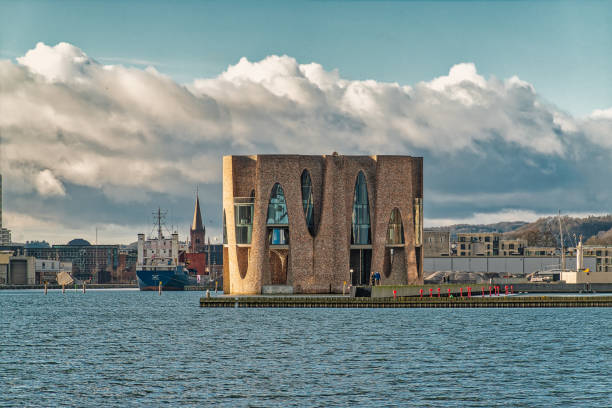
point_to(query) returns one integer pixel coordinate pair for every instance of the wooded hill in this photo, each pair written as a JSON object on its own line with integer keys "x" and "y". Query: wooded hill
{"x": 595, "y": 230}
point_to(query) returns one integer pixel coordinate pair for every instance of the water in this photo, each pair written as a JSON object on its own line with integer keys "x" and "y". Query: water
{"x": 129, "y": 348}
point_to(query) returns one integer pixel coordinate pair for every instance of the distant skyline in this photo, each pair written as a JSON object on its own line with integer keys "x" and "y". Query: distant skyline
{"x": 510, "y": 103}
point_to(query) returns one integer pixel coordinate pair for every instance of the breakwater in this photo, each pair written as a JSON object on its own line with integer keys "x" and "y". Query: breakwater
{"x": 405, "y": 302}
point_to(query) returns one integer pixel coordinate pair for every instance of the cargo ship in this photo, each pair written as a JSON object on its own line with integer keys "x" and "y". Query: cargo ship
{"x": 158, "y": 261}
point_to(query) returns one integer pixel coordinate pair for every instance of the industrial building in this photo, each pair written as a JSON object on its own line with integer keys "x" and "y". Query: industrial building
{"x": 5, "y": 234}
{"x": 311, "y": 224}
{"x": 436, "y": 243}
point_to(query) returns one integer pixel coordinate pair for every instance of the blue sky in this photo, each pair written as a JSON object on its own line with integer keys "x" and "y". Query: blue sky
{"x": 563, "y": 48}
{"x": 509, "y": 102}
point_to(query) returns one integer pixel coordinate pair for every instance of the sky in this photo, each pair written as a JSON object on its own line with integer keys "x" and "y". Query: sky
{"x": 109, "y": 109}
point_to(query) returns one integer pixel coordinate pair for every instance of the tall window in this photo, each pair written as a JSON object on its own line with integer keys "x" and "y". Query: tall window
{"x": 224, "y": 229}
{"x": 395, "y": 231}
{"x": 243, "y": 210}
{"x": 360, "y": 231}
{"x": 278, "y": 220}
{"x": 277, "y": 207}
{"x": 307, "y": 201}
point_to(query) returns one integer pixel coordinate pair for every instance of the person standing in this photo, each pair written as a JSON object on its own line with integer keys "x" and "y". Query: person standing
{"x": 377, "y": 278}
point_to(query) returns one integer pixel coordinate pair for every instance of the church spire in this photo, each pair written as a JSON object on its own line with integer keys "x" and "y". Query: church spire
{"x": 196, "y": 225}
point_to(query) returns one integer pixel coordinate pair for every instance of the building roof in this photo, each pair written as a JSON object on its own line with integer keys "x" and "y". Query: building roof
{"x": 196, "y": 225}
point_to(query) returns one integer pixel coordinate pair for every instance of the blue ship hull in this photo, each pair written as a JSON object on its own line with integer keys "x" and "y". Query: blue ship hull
{"x": 171, "y": 279}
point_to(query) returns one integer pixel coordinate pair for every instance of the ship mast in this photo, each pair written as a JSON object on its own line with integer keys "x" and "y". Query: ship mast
{"x": 159, "y": 226}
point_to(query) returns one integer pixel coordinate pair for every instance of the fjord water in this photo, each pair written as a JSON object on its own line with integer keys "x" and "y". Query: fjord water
{"x": 130, "y": 348}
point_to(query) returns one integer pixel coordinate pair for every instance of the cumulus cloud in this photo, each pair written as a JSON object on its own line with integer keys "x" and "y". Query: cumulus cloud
{"x": 48, "y": 185}
{"x": 69, "y": 122}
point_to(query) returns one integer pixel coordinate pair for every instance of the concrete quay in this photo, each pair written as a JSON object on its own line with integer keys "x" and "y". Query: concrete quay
{"x": 80, "y": 285}
{"x": 405, "y": 302}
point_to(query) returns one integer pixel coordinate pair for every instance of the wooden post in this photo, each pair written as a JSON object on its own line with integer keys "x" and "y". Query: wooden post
{"x": 63, "y": 288}
{"x": 160, "y": 290}
{"x": 216, "y": 283}
{"x": 45, "y": 287}
{"x": 83, "y": 286}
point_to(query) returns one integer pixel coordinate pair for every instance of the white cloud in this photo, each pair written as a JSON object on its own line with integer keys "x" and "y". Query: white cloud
{"x": 68, "y": 120}
{"x": 48, "y": 185}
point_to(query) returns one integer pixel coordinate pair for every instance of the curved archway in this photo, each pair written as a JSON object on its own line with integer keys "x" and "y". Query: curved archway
{"x": 360, "y": 226}
{"x": 395, "y": 229}
{"x": 307, "y": 201}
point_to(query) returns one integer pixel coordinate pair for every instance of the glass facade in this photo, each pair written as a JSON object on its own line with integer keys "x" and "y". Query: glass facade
{"x": 277, "y": 207}
{"x": 243, "y": 210}
{"x": 277, "y": 215}
{"x": 307, "y": 201}
{"x": 395, "y": 232}
{"x": 360, "y": 231}
{"x": 278, "y": 236}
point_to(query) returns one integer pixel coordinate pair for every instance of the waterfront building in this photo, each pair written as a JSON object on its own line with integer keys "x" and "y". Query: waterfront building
{"x": 436, "y": 243}
{"x": 46, "y": 270}
{"x": 603, "y": 255}
{"x": 95, "y": 263}
{"x": 126, "y": 270}
{"x": 540, "y": 251}
{"x": 310, "y": 224}
{"x": 478, "y": 244}
{"x": 509, "y": 247}
{"x": 17, "y": 270}
{"x": 5, "y": 234}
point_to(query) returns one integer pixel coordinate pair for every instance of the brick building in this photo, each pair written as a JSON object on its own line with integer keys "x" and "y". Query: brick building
{"x": 307, "y": 224}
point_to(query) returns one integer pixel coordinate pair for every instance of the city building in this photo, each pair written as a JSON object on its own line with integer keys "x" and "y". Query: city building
{"x": 314, "y": 224}
{"x": 603, "y": 255}
{"x": 509, "y": 247}
{"x": 478, "y": 244}
{"x": 5, "y": 234}
{"x": 436, "y": 243}
{"x": 126, "y": 270}
{"x": 94, "y": 263}
{"x": 541, "y": 251}
{"x": 17, "y": 270}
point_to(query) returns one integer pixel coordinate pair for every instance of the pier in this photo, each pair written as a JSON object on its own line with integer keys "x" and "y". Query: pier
{"x": 406, "y": 302}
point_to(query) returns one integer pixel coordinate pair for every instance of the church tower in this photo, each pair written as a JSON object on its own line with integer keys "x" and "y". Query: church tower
{"x": 197, "y": 231}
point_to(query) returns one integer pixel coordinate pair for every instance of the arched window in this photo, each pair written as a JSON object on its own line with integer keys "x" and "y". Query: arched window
{"x": 278, "y": 220}
{"x": 277, "y": 207}
{"x": 307, "y": 201}
{"x": 360, "y": 231}
{"x": 395, "y": 231}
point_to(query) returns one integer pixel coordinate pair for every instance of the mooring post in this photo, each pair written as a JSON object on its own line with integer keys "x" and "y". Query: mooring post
{"x": 469, "y": 292}
{"x": 506, "y": 290}
{"x": 343, "y": 288}
{"x": 63, "y": 288}
{"x": 511, "y": 290}
{"x": 490, "y": 293}
{"x": 216, "y": 283}
{"x": 83, "y": 286}
{"x": 45, "y": 287}
{"x": 159, "y": 288}
{"x": 449, "y": 292}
